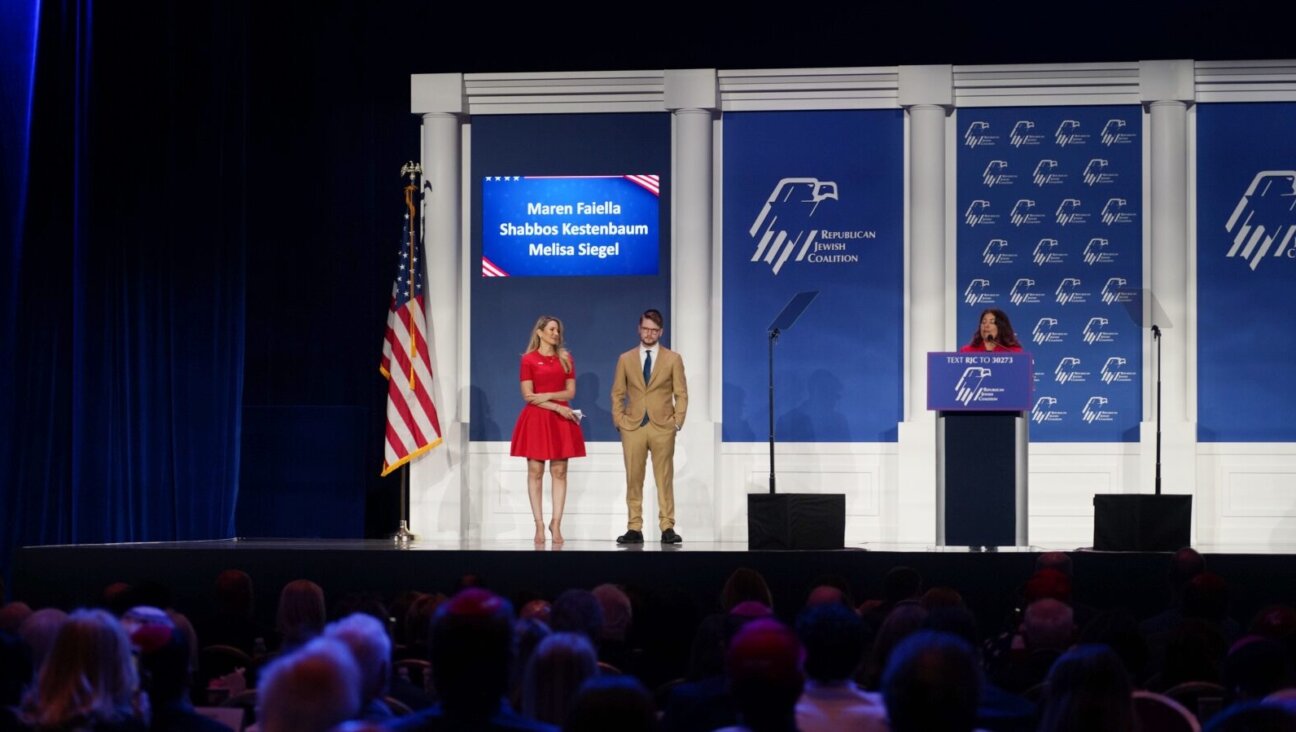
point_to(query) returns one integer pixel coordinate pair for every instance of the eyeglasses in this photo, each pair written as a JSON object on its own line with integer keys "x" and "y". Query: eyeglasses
{"x": 650, "y": 330}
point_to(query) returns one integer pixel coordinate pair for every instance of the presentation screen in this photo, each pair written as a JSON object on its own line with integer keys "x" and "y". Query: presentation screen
{"x": 561, "y": 226}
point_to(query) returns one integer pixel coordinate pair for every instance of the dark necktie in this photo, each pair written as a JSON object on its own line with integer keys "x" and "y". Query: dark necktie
{"x": 647, "y": 375}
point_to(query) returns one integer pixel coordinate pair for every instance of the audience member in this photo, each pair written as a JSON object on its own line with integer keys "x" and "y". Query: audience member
{"x": 931, "y": 684}
{"x": 1255, "y": 668}
{"x": 233, "y": 623}
{"x": 1119, "y": 630}
{"x": 472, "y": 650}
{"x": 1185, "y": 564}
{"x": 1088, "y": 691}
{"x": 370, "y": 647}
{"x": 833, "y": 637}
{"x": 1253, "y": 717}
{"x": 618, "y": 703}
{"x": 997, "y": 710}
{"x": 165, "y": 668}
{"x": 561, "y": 663}
{"x": 704, "y": 702}
{"x": 763, "y": 666}
{"x": 301, "y": 614}
{"x": 39, "y": 632}
{"x": 577, "y": 611}
{"x": 613, "y": 639}
{"x": 311, "y": 689}
{"x": 13, "y": 615}
{"x": 88, "y": 681}
{"x": 904, "y": 619}
{"x": 742, "y": 585}
{"x": 1047, "y": 630}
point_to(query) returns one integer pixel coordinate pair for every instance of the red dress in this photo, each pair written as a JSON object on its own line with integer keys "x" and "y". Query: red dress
{"x": 543, "y": 434}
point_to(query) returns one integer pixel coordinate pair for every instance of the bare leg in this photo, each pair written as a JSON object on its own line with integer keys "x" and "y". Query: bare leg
{"x": 535, "y": 492}
{"x": 558, "y": 471}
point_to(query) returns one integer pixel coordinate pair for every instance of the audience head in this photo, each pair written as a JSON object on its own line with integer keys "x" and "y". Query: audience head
{"x": 825, "y": 583}
{"x": 1048, "y": 625}
{"x": 617, "y": 613}
{"x": 1206, "y": 596}
{"x": 900, "y": 584}
{"x": 903, "y": 620}
{"x": 13, "y": 615}
{"x": 833, "y": 637}
{"x": 301, "y": 612}
{"x": 956, "y": 621}
{"x": 560, "y": 664}
{"x": 418, "y": 619}
{"x": 827, "y": 595}
{"x": 577, "y": 611}
{"x": 312, "y": 689}
{"x": 1184, "y": 565}
{"x": 39, "y": 632}
{"x": 1119, "y": 630}
{"x": 932, "y": 683}
{"x": 763, "y": 667}
{"x": 1256, "y": 667}
{"x": 1194, "y": 650}
{"x": 165, "y": 667}
{"x": 939, "y": 597}
{"x": 1047, "y": 584}
{"x": 1253, "y": 717}
{"x": 1061, "y": 561}
{"x": 743, "y": 585}
{"x": 88, "y": 675}
{"x": 612, "y": 702}
{"x": 370, "y": 647}
{"x": 234, "y": 593}
{"x": 1088, "y": 689}
{"x": 472, "y": 650}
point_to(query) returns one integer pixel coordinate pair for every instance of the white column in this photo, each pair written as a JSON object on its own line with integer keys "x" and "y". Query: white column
{"x": 1166, "y": 87}
{"x": 927, "y": 93}
{"x": 440, "y": 506}
{"x": 691, "y": 95}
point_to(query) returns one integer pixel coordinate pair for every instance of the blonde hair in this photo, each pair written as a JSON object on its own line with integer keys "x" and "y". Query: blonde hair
{"x": 564, "y": 356}
{"x": 88, "y": 675}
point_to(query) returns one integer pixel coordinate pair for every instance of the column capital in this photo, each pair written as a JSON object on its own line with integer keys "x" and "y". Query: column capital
{"x": 927, "y": 85}
{"x": 433, "y": 93}
{"x": 1167, "y": 81}
{"x": 692, "y": 89}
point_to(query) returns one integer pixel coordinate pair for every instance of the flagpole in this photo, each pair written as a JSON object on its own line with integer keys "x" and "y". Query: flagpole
{"x": 403, "y": 535}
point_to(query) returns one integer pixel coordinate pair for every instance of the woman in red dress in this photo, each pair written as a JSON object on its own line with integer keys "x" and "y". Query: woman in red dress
{"x": 547, "y": 429}
{"x": 995, "y": 333}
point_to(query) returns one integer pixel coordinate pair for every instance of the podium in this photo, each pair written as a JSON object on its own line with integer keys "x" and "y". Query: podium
{"x": 982, "y": 402}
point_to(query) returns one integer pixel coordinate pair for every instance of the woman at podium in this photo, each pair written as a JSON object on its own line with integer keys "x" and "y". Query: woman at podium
{"x": 995, "y": 333}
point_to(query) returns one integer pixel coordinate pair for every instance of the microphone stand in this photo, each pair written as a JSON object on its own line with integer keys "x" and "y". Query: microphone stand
{"x": 1156, "y": 335}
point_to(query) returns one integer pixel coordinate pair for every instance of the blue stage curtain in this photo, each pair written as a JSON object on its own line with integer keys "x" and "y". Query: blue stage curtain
{"x": 123, "y": 309}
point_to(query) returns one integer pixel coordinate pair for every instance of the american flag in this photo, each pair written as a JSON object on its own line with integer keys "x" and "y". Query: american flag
{"x": 412, "y": 424}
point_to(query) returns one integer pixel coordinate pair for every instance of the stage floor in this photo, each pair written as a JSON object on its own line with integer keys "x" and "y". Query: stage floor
{"x": 72, "y": 576}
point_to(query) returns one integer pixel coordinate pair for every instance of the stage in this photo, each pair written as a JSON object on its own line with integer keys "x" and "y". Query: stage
{"x": 73, "y": 576}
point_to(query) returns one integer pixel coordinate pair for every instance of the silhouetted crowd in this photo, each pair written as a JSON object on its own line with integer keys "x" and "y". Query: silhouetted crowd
{"x": 615, "y": 658}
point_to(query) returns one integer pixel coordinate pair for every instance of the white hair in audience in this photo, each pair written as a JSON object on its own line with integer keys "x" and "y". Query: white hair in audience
{"x": 370, "y": 647}
{"x": 310, "y": 690}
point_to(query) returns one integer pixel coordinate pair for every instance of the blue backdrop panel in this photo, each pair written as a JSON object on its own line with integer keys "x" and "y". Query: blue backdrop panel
{"x": 1246, "y": 266}
{"x": 1050, "y": 226}
{"x": 600, "y": 313}
{"x": 814, "y": 201}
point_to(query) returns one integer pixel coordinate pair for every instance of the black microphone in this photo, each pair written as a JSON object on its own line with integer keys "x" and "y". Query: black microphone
{"x": 991, "y": 338}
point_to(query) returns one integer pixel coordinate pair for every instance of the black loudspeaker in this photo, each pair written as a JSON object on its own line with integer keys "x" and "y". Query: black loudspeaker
{"x": 1142, "y": 523}
{"x": 796, "y": 521}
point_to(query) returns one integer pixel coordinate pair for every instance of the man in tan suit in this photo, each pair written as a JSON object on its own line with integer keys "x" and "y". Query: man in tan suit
{"x": 649, "y": 398}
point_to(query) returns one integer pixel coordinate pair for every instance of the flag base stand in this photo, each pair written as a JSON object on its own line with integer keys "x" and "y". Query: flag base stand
{"x": 403, "y": 535}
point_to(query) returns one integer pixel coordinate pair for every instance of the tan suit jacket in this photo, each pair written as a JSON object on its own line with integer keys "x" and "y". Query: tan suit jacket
{"x": 665, "y": 396}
